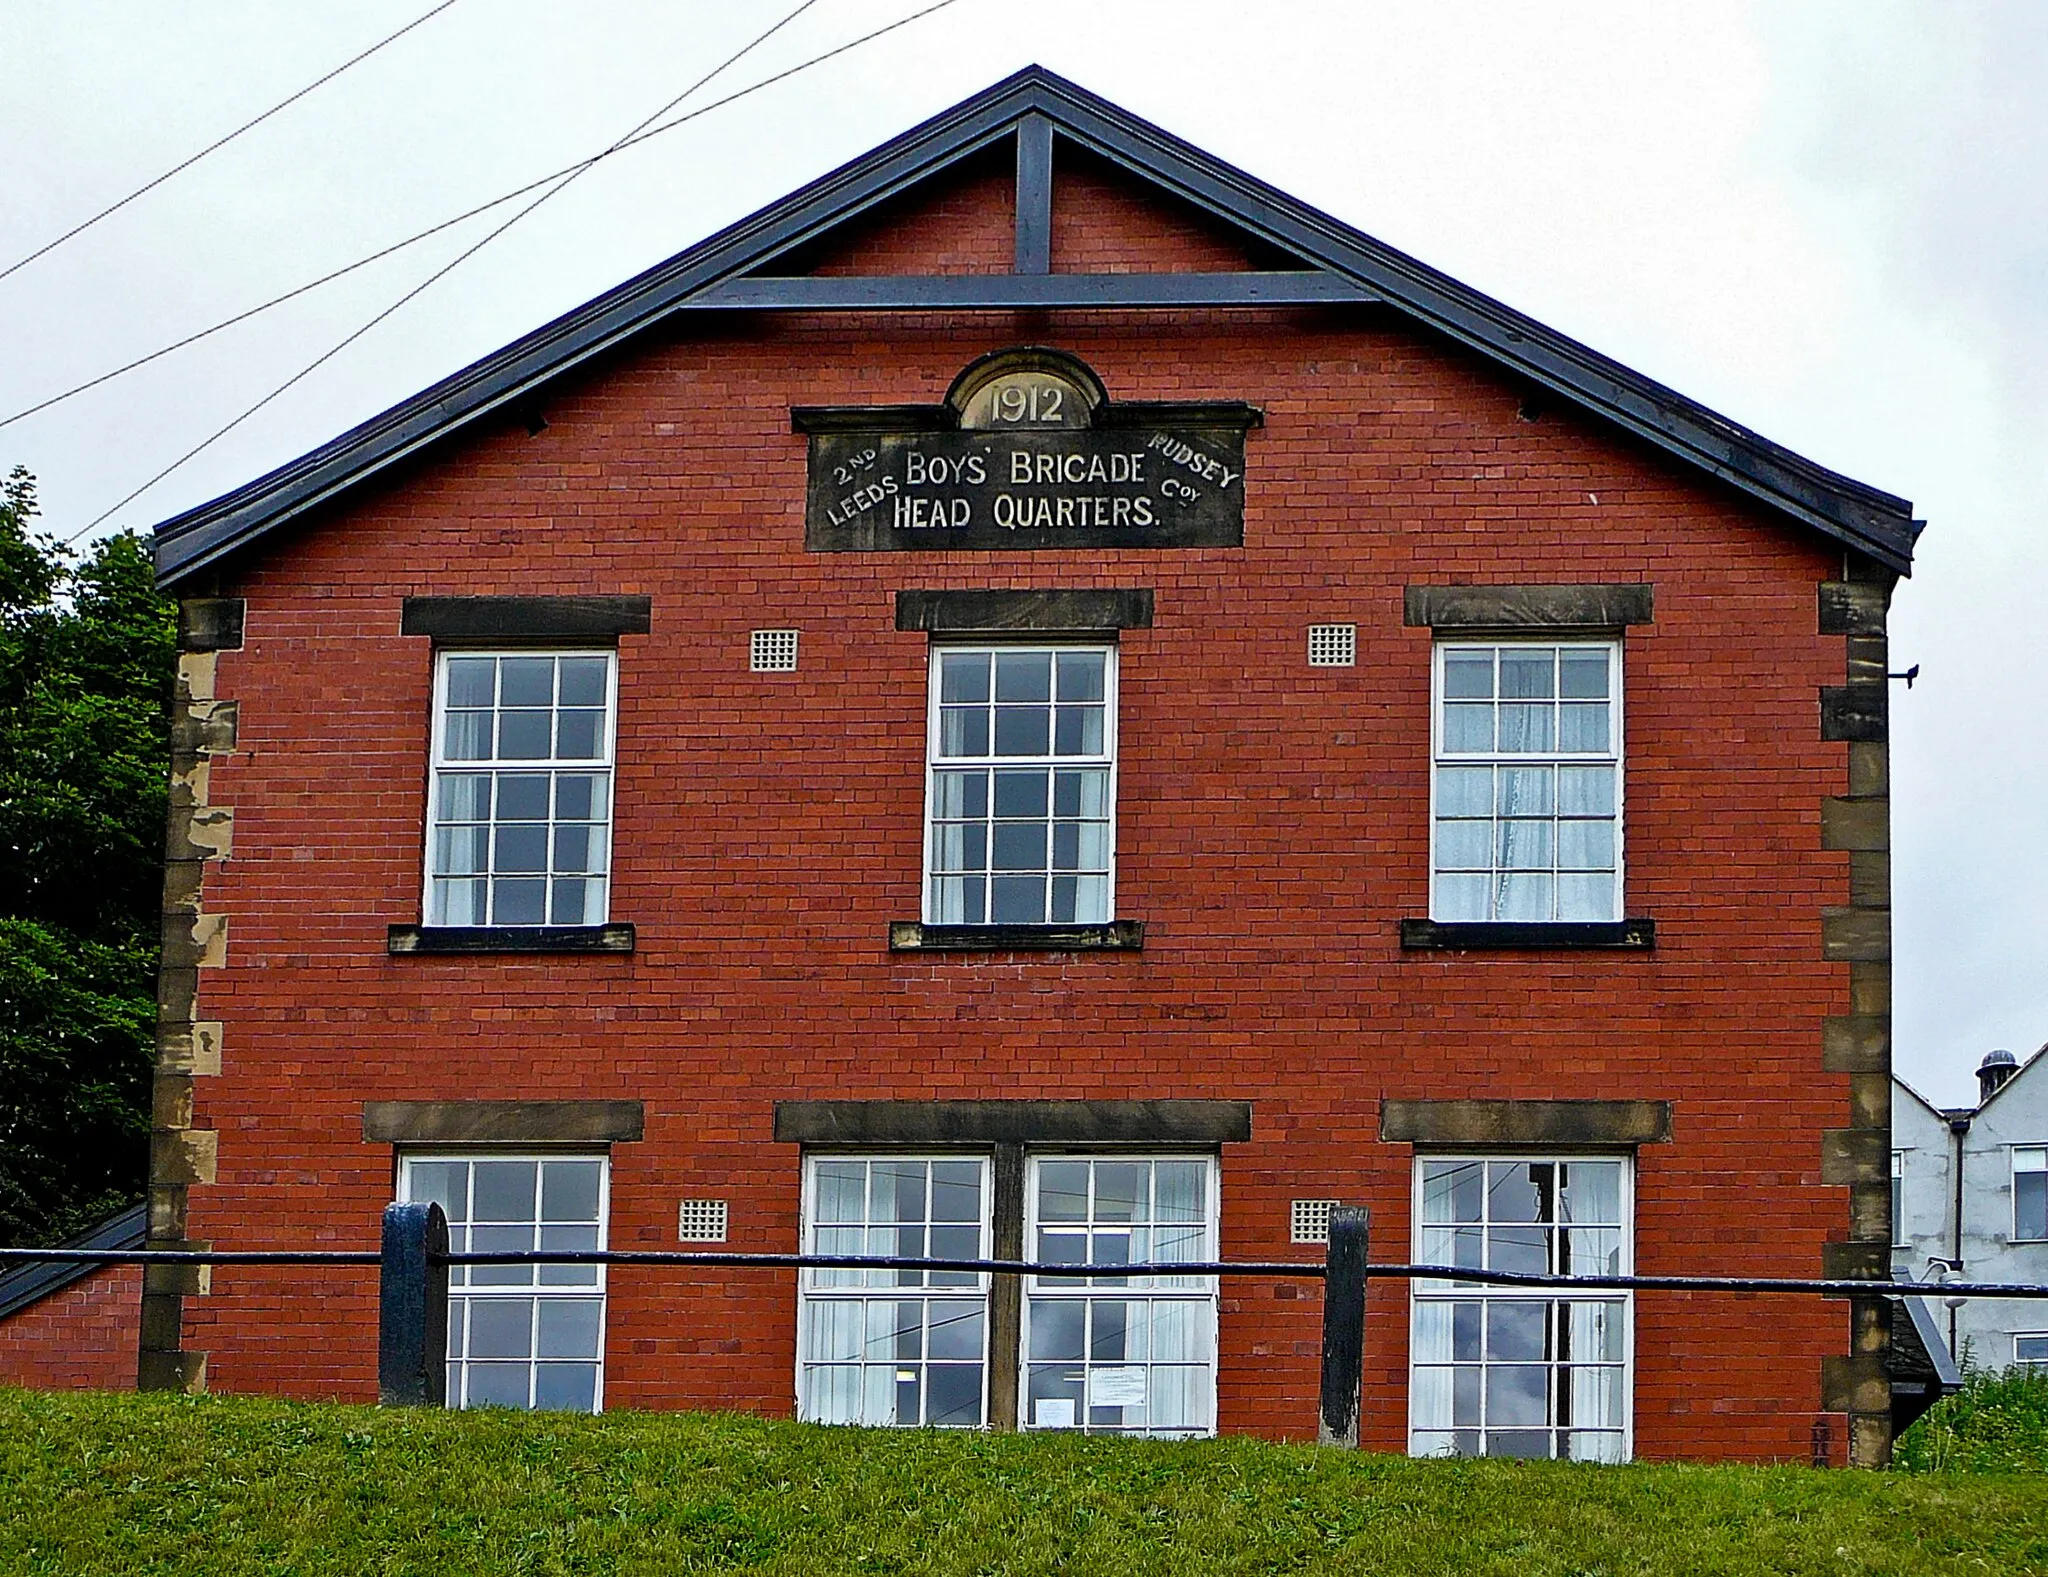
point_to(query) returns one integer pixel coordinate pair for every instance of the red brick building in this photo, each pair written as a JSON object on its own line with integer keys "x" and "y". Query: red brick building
{"x": 1039, "y": 695}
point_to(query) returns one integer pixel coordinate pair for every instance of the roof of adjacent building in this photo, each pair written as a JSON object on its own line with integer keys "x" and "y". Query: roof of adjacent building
{"x": 35, "y": 1281}
{"x": 1338, "y": 265}
{"x": 2020, "y": 1071}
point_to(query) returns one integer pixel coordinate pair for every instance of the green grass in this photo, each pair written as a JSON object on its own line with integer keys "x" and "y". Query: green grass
{"x": 107, "y": 1483}
{"x": 1998, "y": 1423}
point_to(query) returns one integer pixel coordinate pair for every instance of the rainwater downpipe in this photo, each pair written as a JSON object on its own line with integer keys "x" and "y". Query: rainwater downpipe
{"x": 1957, "y": 1128}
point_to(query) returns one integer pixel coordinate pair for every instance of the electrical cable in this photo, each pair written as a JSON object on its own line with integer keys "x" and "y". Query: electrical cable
{"x": 441, "y": 272}
{"x": 632, "y": 140}
{"x": 214, "y": 147}
{"x": 461, "y": 257}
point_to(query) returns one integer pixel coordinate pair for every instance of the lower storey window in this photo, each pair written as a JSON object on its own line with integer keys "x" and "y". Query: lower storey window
{"x": 1107, "y": 1353}
{"x": 1121, "y": 1354}
{"x": 526, "y": 1336}
{"x": 895, "y": 1346}
{"x": 1502, "y": 1371}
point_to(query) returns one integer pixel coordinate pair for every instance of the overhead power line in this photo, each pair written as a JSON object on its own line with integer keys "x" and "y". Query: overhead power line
{"x": 562, "y": 178}
{"x": 632, "y": 140}
{"x": 215, "y": 147}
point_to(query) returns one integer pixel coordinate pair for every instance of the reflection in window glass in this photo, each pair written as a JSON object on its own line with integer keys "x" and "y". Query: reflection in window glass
{"x": 1502, "y": 1371}
{"x": 519, "y": 825}
{"x": 895, "y": 1346}
{"x": 1115, "y": 1354}
{"x": 527, "y": 1336}
{"x": 1528, "y": 763}
{"x": 1019, "y": 799}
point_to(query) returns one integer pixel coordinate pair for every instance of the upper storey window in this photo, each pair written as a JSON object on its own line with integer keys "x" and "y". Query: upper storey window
{"x": 1021, "y": 789}
{"x": 1527, "y": 789}
{"x": 519, "y": 807}
{"x": 2029, "y": 1195}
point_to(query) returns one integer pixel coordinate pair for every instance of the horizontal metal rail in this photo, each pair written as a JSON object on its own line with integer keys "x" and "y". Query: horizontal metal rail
{"x": 189, "y": 1256}
{"x": 1836, "y": 1287}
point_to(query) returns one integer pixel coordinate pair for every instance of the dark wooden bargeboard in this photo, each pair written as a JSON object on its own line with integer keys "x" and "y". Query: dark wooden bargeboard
{"x": 1180, "y": 487}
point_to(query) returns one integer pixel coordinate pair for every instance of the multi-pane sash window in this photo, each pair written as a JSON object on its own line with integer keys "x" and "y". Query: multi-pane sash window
{"x": 519, "y": 821}
{"x": 520, "y": 1335}
{"x": 1502, "y": 1371}
{"x": 2030, "y": 1194}
{"x": 1527, "y": 782}
{"x": 1121, "y": 1354}
{"x": 1021, "y": 793}
{"x": 895, "y": 1346}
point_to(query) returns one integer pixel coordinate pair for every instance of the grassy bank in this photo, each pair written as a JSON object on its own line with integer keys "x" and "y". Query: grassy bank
{"x": 125, "y": 1484}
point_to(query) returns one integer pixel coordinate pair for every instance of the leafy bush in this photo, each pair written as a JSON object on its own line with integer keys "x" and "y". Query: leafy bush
{"x": 87, "y": 651}
{"x": 1997, "y": 1423}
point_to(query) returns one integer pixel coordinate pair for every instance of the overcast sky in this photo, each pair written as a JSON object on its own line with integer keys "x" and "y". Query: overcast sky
{"x": 1826, "y": 220}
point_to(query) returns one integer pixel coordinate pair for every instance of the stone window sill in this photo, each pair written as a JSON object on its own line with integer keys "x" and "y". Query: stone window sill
{"x": 908, "y": 936}
{"x": 511, "y": 939}
{"x": 1630, "y": 936}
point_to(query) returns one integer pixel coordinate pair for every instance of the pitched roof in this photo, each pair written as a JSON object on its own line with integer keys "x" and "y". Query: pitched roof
{"x": 1339, "y": 265}
{"x": 36, "y": 1280}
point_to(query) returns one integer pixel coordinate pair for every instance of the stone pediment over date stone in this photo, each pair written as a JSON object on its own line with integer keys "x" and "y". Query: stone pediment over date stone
{"x": 1026, "y": 452}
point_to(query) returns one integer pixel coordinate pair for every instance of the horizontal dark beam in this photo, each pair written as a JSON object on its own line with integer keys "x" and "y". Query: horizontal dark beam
{"x": 1040, "y": 610}
{"x": 1597, "y": 607}
{"x": 526, "y": 618}
{"x": 403, "y": 940}
{"x": 502, "y": 1122}
{"x": 1013, "y": 1122}
{"x": 1494, "y": 1123}
{"x": 1002, "y": 292}
{"x": 1635, "y": 935}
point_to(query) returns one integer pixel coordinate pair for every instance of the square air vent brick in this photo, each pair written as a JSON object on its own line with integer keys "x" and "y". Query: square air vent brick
{"x": 1311, "y": 1220}
{"x": 773, "y": 652}
{"x": 1332, "y": 645}
{"x": 701, "y": 1221}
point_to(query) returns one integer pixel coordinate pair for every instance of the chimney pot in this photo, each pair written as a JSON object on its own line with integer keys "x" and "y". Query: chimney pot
{"x": 1993, "y": 1071}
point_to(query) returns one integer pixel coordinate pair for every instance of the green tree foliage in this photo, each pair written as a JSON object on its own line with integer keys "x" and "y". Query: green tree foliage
{"x": 87, "y": 651}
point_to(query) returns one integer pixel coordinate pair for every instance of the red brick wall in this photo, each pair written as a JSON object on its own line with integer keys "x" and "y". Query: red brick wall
{"x": 1272, "y": 830}
{"x": 80, "y": 1338}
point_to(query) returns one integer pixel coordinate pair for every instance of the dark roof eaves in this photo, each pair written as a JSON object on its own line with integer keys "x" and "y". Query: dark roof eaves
{"x": 35, "y": 1281}
{"x": 200, "y": 536}
{"x": 1565, "y": 365}
{"x": 1865, "y": 518}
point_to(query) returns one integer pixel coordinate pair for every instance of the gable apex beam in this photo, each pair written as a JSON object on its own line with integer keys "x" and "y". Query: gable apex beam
{"x": 1034, "y": 195}
{"x": 1002, "y": 292}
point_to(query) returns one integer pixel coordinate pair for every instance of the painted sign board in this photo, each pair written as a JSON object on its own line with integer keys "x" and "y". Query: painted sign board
{"x": 1085, "y": 487}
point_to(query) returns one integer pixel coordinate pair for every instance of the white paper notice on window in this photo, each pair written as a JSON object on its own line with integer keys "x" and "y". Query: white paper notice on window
{"x": 1119, "y": 1387}
{"x": 1055, "y": 1412}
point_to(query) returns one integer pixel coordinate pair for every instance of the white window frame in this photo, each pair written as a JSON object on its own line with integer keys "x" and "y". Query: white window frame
{"x": 1439, "y": 1292}
{"x": 2040, "y": 1362}
{"x": 1898, "y": 1199}
{"x": 1203, "y": 1291}
{"x": 2018, "y": 1150}
{"x": 438, "y": 763}
{"x": 464, "y": 1290}
{"x": 814, "y": 1288}
{"x": 935, "y": 763}
{"x": 1615, "y": 755}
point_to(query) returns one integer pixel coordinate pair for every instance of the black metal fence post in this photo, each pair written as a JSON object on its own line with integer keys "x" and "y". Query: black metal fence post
{"x": 412, "y": 1316}
{"x": 1343, "y": 1326}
